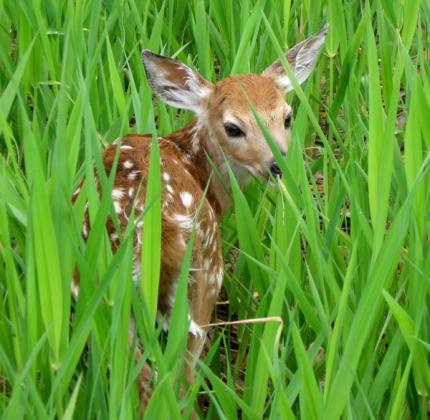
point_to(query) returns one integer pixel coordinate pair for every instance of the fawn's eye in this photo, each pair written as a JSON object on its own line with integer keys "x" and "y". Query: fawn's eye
{"x": 233, "y": 130}
{"x": 287, "y": 121}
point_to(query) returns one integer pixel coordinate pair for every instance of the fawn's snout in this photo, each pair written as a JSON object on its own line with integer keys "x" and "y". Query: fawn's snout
{"x": 275, "y": 170}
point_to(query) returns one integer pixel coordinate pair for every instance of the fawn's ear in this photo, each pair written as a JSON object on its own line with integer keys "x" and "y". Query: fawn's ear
{"x": 175, "y": 83}
{"x": 301, "y": 58}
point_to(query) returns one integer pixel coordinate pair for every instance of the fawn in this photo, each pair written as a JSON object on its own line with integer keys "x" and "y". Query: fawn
{"x": 225, "y": 131}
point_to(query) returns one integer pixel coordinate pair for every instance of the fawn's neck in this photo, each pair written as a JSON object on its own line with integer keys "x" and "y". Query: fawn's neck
{"x": 201, "y": 149}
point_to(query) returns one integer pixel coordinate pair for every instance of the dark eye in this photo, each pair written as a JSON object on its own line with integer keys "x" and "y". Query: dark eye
{"x": 287, "y": 121}
{"x": 233, "y": 130}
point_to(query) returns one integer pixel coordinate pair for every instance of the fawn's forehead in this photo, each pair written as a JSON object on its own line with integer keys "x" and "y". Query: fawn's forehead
{"x": 235, "y": 93}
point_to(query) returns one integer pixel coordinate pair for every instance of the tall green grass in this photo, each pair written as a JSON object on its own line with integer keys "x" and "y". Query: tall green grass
{"x": 338, "y": 250}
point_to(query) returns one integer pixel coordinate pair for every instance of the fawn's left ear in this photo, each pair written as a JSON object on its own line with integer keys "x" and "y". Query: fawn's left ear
{"x": 175, "y": 83}
{"x": 301, "y": 58}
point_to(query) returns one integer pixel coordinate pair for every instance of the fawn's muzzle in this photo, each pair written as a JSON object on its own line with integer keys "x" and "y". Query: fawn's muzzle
{"x": 275, "y": 170}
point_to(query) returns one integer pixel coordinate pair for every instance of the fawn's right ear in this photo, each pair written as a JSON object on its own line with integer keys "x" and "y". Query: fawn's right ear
{"x": 175, "y": 83}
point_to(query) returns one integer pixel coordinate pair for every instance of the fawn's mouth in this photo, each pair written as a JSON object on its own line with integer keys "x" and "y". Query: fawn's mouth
{"x": 273, "y": 174}
{"x": 268, "y": 173}
{"x": 275, "y": 170}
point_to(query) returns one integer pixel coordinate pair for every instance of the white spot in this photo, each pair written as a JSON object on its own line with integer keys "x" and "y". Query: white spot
{"x": 183, "y": 221}
{"x": 128, "y": 164}
{"x": 212, "y": 216}
{"x": 172, "y": 294}
{"x": 85, "y": 230}
{"x": 162, "y": 320}
{"x": 186, "y": 198}
{"x": 166, "y": 176}
{"x": 126, "y": 147}
{"x": 139, "y": 224}
{"x": 195, "y": 140}
{"x": 208, "y": 240}
{"x": 75, "y": 289}
{"x": 117, "y": 194}
{"x": 220, "y": 276}
{"x": 113, "y": 236}
{"x": 140, "y": 206}
{"x": 117, "y": 206}
{"x": 196, "y": 330}
{"x": 214, "y": 246}
{"x": 139, "y": 238}
{"x": 136, "y": 272}
{"x": 131, "y": 192}
{"x": 133, "y": 175}
{"x": 169, "y": 188}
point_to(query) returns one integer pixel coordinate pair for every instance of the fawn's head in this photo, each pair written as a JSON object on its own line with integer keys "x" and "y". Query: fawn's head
{"x": 223, "y": 108}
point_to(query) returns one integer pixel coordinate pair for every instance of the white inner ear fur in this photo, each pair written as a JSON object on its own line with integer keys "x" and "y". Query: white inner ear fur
{"x": 187, "y": 95}
{"x": 302, "y": 63}
{"x": 302, "y": 68}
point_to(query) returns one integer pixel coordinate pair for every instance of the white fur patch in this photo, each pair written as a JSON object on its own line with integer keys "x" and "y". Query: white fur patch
{"x": 196, "y": 330}
{"x": 169, "y": 188}
{"x": 230, "y": 119}
{"x": 182, "y": 240}
{"x": 219, "y": 276}
{"x": 133, "y": 175}
{"x": 195, "y": 139}
{"x": 128, "y": 164}
{"x": 126, "y": 147}
{"x": 166, "y": 176}
{"x": 186, "y": 198}
{"x": 162, "y": 320}
{"x": 183, "y": 221}
{"x": 117, "y": 206}
{"x": 75, "y": 289}
{"x": 117, "y": 194}
{"x": 136, "y": 272}
{"x": 164, "y": 83}
{"x": 85, "y": 230}
{"x": 139, "y": 237}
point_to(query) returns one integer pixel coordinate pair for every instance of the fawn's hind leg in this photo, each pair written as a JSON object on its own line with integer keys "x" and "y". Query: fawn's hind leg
{"x": 203, "y": 293}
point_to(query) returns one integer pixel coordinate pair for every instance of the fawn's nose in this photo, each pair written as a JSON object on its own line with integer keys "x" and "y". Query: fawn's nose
{"x": 275, "y": 169}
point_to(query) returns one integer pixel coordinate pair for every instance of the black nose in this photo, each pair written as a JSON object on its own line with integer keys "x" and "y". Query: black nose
{"x": 275, "y": 169}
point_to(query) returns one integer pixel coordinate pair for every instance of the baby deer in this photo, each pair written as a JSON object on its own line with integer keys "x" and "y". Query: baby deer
{"x": 224, "y": 132}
